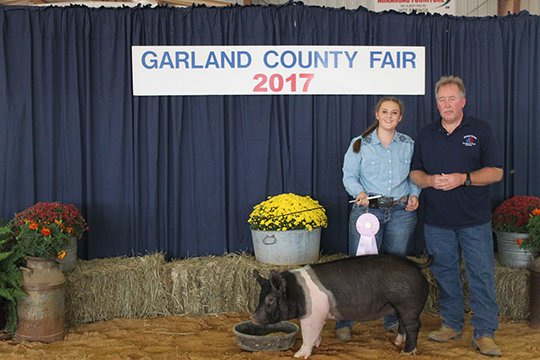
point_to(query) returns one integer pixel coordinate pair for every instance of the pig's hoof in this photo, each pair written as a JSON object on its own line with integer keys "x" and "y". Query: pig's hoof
{"x": 318, "y": 342}
{"x": 400, "y": 340}
{"x": 414, "y": 352}
{"x": 303, "y": 353}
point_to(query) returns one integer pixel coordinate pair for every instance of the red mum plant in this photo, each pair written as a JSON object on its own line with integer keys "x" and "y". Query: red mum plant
{"x": 513, "y": 215}
{"x": 66, "y": 216}
{"x": 44, "y": 229}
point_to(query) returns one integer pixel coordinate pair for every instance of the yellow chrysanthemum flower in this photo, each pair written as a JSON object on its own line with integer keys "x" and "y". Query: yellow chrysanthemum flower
{"x": 288, "y": 212}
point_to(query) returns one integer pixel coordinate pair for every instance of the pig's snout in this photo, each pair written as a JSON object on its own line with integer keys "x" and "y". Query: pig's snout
{"x": 254, "y": 319}
{"x": 258, "y": 318}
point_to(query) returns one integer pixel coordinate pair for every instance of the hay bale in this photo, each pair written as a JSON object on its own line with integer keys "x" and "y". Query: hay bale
{"x": 103, "y": 289}
{"x": 206, "y": 285}
{"x": 512, "y": 287}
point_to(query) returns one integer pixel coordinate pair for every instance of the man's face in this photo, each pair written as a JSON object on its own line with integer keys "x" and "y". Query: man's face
{"x": 450, "y": 103}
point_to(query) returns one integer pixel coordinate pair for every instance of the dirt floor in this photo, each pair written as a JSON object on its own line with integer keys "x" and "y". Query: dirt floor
{"x": 211, "y": 337}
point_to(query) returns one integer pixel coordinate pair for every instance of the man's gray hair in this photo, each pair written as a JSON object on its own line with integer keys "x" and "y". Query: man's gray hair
{"x": 448, "y": 80}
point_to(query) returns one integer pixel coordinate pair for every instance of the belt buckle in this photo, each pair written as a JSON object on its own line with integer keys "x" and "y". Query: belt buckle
{"x": 385, "y": 202}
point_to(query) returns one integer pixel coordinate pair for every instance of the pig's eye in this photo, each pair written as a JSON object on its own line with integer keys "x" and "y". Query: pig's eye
{"x": 270, "y": 300}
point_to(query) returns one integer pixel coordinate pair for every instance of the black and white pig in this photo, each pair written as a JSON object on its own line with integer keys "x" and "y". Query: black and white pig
{"x": 358, "y": 288}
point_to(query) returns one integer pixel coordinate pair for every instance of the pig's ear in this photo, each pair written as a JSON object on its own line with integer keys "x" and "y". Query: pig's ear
{"x": 258, "y": 276}
{"x": 277, "y": 281}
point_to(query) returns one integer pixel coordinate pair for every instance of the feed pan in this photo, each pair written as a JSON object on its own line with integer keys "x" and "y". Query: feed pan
{"x": 273, "y": 337}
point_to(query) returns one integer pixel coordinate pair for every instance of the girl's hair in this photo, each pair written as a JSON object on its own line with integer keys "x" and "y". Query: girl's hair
{"x": 369, "y": 130}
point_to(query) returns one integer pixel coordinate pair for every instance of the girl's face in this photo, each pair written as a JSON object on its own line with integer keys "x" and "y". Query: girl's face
{"x": 388, "y": 115}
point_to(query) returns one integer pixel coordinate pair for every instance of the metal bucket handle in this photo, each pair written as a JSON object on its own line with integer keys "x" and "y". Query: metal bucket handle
{"x": 269, "y": 240}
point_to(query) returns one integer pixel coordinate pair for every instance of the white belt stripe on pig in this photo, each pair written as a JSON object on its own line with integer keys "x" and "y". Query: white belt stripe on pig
{"x": 319, "y": 300}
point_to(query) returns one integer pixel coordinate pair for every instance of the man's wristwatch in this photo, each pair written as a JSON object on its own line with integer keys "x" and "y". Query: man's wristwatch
{"x": 467, "y": 180}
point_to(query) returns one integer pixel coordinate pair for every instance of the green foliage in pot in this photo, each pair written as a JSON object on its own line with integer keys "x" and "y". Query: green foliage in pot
{"x": 532, "y": 243}
{"x": 42, "y": 240}
{"x": 10, "y": 277}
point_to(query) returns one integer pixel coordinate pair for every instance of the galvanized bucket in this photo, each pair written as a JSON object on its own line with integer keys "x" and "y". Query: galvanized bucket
{"x": 291, "y": 247}
{"x": 510, "y": 254}
{"x": 41, "y": 313}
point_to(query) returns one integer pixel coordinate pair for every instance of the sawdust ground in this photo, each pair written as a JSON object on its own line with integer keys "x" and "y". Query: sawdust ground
{"x": 211, "y": 337}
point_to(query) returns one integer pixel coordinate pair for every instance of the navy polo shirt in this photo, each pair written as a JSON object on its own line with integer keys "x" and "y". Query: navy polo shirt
{"x": 470, "y": 147}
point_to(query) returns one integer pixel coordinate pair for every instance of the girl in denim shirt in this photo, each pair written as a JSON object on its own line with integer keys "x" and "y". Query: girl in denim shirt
{"x": 378, "y": 163}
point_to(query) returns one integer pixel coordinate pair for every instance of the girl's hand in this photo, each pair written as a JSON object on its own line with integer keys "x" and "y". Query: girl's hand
{"x": 412, "y": 203}
{"x": 362, "y": 199}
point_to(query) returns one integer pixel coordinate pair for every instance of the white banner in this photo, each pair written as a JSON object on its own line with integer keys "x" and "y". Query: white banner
{"x": 278, "y": 70}
{"x": 421, "y": 6}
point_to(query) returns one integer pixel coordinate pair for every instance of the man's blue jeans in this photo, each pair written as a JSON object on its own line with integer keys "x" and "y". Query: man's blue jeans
{"x": 475, "y": 244}
{"x": 393, "y": 237}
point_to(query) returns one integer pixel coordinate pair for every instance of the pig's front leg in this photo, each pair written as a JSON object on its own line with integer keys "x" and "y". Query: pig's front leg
{"x": 311, "y": 335}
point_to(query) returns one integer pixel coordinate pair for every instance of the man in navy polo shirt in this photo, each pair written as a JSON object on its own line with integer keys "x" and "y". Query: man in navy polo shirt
{"x": 454, "y": 162}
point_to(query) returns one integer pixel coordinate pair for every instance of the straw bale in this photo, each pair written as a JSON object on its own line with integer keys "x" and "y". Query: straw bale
{"x": 104, "y": 289}
{"x": 512, "y": 287}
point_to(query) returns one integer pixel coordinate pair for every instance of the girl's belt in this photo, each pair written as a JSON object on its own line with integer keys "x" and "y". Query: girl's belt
{"x": 385, "y": 202}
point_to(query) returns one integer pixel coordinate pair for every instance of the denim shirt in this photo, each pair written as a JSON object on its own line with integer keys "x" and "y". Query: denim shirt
{"x": 379, "y": 170}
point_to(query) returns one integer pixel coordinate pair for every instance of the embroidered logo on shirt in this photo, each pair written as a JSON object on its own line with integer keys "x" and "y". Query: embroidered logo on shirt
{"x": 405, "y": 139}
{"x": 469, "y": 140}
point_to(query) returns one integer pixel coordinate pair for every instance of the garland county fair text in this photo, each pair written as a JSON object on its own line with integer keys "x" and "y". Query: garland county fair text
{"x": 273, "y": 70}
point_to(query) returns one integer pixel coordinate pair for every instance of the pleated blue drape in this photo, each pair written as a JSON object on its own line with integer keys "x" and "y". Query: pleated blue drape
{"x": 181, "y": 174}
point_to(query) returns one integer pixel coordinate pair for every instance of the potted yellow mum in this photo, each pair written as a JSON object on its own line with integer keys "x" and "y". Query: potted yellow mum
{"x": 286, "y": 229}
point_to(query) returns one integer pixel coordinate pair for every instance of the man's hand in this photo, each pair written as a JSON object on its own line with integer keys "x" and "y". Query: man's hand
{"x": 446, "y": 182}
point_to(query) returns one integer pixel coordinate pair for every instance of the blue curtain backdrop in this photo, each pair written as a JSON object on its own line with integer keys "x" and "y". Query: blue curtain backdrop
{"x": 181, "y": 174}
